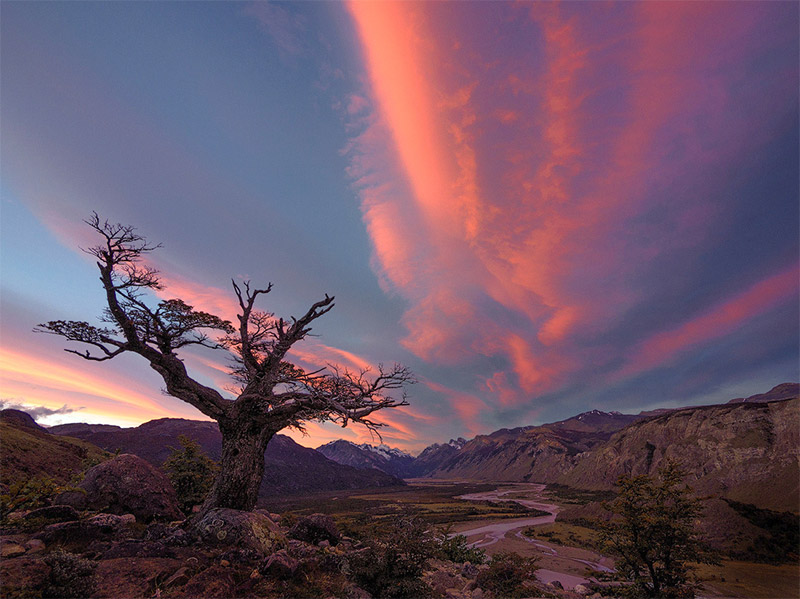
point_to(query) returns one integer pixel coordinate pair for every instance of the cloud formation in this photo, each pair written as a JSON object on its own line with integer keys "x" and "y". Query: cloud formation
{"x": 555, "y": 160}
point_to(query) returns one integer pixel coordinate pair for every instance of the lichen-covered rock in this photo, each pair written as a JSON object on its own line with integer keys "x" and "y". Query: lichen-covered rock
{"x": 223, "y": 527}
{"x": 315, "y": 528}
{"x": 129, "y": 484}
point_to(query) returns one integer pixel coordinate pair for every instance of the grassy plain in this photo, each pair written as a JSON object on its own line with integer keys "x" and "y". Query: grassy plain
{"x": 435, "y": 502}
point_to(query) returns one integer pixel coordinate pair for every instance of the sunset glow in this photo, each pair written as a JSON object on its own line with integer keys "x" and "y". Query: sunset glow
{"x": 540, "y": 208}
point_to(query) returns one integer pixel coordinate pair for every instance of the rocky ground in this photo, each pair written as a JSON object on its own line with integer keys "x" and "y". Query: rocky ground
{"x": 121, "y": 535}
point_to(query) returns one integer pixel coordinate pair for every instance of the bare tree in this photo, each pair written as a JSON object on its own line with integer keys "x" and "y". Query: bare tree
{"x": 272, "y": 393}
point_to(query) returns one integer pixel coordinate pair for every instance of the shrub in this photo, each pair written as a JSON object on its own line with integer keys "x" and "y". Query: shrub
{"x": 653, "y": 535}
{"x": 71, "y": 576}
{"x": 191, "y": 472}
{"x": 455, "y": 548}
{"x": 27, "y": 495}
{"x": 507, "y": 574}
{"x": 392, "y": 564}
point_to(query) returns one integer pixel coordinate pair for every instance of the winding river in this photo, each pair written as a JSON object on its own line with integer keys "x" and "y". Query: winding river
{"x": 489, "y": 534}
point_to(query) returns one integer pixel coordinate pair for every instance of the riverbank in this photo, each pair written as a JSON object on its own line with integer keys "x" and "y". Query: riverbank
{"x": 569, "y": 566}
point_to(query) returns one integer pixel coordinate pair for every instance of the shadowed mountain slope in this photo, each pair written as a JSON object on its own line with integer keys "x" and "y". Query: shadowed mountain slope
{"x": 289, "y": 468}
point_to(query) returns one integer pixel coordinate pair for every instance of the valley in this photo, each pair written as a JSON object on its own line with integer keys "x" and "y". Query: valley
{"x": 535, "y": 491}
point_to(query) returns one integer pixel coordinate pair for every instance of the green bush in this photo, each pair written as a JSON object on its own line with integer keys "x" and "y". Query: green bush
{"x": 27, "y": 495}
{"x": 653, "y": 535}
{"x": 454, "y": 548}
{"x": 71, "y": 576}
{"x": 392, "y": 564}
{"x": 191, "y": 472}
{"x": 507, "y": 574}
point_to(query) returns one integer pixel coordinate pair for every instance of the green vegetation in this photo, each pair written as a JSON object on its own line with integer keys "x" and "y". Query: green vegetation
{"x": 454, "y": 547}
{"x": 565, "y": 534}
{"x": 653, "y": 536}
{"x": 70, "y": 576}
{"x": 392, "y": 564}
{"x": 29, "y": 453}
{"x": 571, "y": 495}
{"x": 27, "y": 495}
{"x": 780, "y": 544}
{"x": 507, "y": 574}
{"x": 191, "y": 472}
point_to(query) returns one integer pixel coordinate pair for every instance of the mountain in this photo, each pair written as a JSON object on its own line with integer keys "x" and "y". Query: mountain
{"x": 289, "y": 468}
{"x": 783, "y": 391}
{"x": 76, "y": 428}
{"x": 20, "y": 419}
{"x": 735, "y": 450}
{"x": 384, "y": 458}
{"x": 529, "y": 453}
{"x": 433, "y": 456}
{"x": 745, "y": 452}
{"x": 29, "y": 451}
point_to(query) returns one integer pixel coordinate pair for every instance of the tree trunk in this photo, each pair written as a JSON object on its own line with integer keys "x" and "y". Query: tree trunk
{"x": 241, "y": 467}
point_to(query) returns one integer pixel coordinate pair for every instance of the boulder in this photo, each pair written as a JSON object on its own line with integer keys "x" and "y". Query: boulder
{"x": 582, "y": 589}
{"x": 222, "y": 527}
{"x": 74, "y": 498}
{"x": 11, "y": 550}
{"x": 57, "y": 513}
{"x": 34, "y": 546}
{"x": 101, "y": 526}
{"x": 129, "y": 484}
{"x": 314, "y": 529}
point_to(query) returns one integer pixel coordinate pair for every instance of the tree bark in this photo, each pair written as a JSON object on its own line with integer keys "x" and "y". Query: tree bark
{"x": 241, "y": 467}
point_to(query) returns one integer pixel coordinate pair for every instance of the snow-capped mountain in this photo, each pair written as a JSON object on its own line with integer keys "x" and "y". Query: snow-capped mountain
{"x": 387, "y": 459}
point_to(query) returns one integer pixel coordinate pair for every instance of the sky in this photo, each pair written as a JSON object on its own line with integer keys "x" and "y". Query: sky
{"x": 540, "y": 208}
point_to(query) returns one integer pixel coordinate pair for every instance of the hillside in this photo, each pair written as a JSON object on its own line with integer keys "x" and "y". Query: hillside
{"x": 30, "y": 451}
{"x": 289, "y": 468}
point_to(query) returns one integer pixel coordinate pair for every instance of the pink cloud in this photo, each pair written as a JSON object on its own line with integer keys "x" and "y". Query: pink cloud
{"x": 663, "y": 348}
{"x": 530, "y": 187}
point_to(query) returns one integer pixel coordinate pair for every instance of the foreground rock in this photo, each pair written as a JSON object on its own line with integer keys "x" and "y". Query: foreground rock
{"x": 223, "y": 527}
{"x": 315, "y": 529}
{"x": 128, "y": 484}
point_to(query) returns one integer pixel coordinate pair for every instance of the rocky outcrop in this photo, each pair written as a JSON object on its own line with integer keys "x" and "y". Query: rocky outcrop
{"x": 128, "y": 484}
{"x": 223, "y": 527}
{"x": 735, "y": 450}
